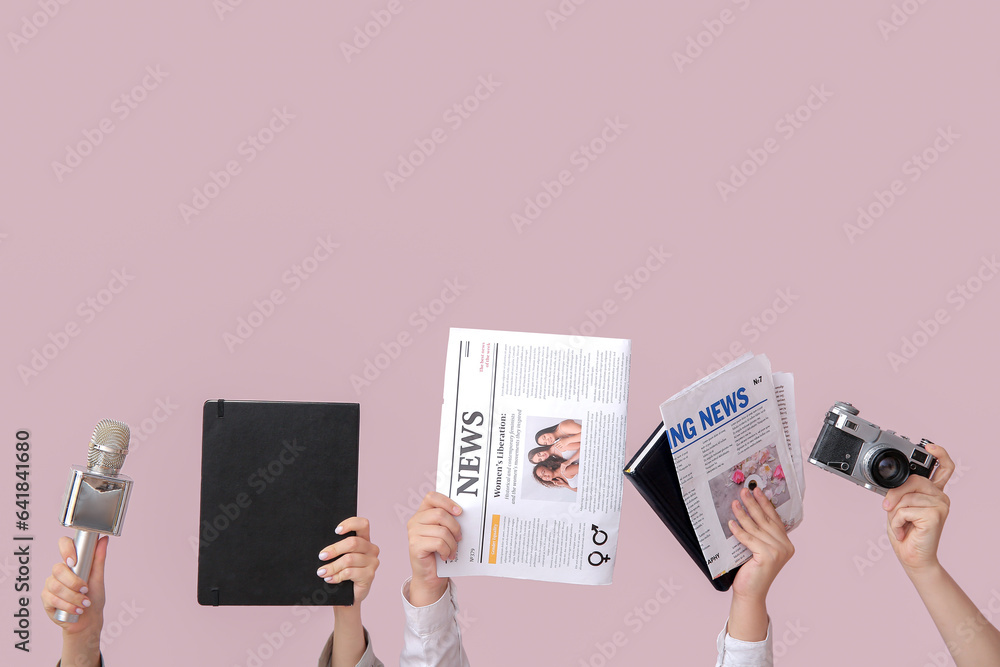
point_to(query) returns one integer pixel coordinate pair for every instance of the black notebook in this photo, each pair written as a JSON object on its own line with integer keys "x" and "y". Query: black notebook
{"x": 654, "y": 476}
{"x": 276, "y": 479}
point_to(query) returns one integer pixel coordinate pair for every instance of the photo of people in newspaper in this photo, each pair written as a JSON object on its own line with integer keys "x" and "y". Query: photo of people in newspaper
{"x": 561, "y": 442}
{"x": 553, "y": 453}
{"x": 759, "y": 470}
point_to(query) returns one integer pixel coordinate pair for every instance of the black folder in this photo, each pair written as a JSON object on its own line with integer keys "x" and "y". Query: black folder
{"x": 276, "y": 479}
{"x": 654, "y": 475}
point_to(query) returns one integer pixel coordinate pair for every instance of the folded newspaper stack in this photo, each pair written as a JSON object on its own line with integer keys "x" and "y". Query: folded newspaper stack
{"x": 731, "y": 430}
{"x": 532, "y": 447}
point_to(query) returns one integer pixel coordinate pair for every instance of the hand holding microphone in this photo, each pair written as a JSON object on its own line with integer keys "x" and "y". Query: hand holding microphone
{"x": 67, "y": 593}
{"x": 95, "y": 503}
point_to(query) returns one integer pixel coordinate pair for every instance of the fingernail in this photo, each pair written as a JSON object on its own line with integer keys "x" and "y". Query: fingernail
{"x": 885, "y": 504}
{"x": 321, "y": 571}
{"x": 86, "y": 603}
{"x": 84, "y": 590}
{"x": 78, "y": 611}
{"x": 456, "y": 510}
{"x": 324, "y": 556}
{"x": 329, "y": 580}
{"x": 70, "y": 562}
{"x": 339, "y": 530}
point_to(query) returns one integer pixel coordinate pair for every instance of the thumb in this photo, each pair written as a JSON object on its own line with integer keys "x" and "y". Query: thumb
{"x": 96, "y": 581}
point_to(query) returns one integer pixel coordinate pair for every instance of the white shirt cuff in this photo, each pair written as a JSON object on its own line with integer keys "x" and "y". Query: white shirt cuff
{"x": 738, "y": 653}
{"x": 433, "y": 618}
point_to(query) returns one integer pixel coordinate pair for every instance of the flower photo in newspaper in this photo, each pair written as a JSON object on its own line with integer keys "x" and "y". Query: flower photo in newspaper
{"x": 759, "y": 470}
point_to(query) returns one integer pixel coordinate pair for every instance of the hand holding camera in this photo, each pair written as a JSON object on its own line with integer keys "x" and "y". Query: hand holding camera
{"x": 912, "y": 479}
{"x": 917, "y": 512}
{"x": 889, "y": 464}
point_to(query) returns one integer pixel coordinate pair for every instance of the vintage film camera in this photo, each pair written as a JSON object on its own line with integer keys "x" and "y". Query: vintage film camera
{"x": 860, "y": 451}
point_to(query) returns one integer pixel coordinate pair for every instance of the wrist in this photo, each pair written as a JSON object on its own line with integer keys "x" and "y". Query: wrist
{"x": 749, "y": 602}
{"x": 95, "y": 624}
{"x": 748, "y": 618}
{"x": 924, "y": 573}
{"x": 750, "y": 598}
{"x": 426, "y": 589}
{"x": 347, "y": 614}
{"x": 82, "y": 649}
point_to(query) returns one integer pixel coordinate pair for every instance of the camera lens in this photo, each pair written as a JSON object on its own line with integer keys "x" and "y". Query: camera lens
{"x": 889, "y": 468}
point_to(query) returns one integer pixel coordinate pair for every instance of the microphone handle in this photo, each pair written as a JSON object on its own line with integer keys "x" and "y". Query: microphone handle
{"x": 85, "y": 542}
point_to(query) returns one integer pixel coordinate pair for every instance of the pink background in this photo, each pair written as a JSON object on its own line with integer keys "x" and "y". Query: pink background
{"x": 842, "y": 600}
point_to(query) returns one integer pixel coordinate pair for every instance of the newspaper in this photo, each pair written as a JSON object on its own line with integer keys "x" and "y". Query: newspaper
{"x": 727, "y": 432}
{"x": 784, "y": 393}
{"x": 532, "y": 448}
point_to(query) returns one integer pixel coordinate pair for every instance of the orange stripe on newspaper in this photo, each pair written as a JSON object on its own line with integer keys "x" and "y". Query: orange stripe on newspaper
{"x": 494, "y": 535}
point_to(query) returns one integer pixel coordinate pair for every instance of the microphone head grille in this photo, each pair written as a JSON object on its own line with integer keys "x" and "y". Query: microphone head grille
{"x": 108, "y": 447}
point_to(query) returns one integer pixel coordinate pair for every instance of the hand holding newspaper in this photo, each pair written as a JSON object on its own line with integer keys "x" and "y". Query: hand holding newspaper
{"x": 735, "y": 429}
{"x": 532, "y": 447}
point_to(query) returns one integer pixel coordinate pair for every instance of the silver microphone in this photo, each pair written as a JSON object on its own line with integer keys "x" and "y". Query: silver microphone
{"x": 96, "y": 497}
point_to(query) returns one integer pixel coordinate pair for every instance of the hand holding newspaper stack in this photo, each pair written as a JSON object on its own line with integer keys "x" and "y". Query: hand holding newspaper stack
{"x": 731, "y": 430}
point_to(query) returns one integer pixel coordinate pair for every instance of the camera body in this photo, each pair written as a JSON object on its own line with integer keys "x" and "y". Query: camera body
{"x": 860, "y": 451}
